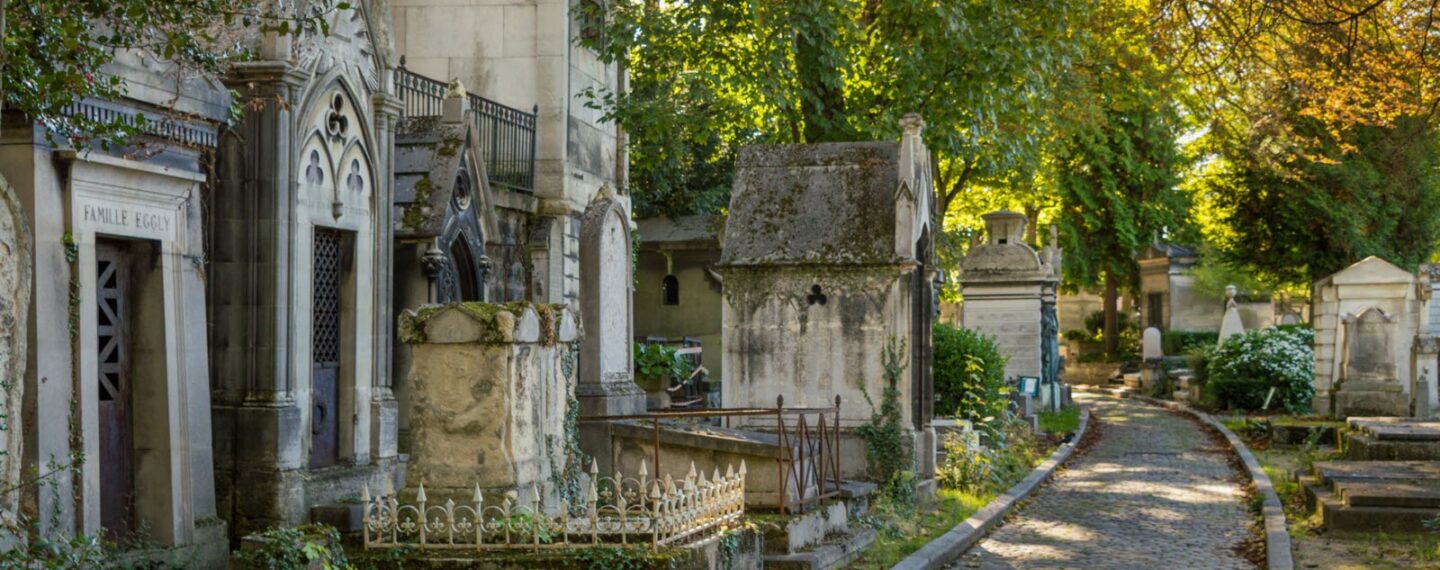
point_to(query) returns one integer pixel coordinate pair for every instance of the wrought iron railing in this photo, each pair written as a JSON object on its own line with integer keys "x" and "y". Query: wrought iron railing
{"x": 615, "y": 510}
{"x": 807, "y": 451}
{"x": 507, "y": 134}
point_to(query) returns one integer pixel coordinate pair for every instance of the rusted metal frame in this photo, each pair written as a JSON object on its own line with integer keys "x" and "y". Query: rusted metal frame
{"x": 787, "y": 465}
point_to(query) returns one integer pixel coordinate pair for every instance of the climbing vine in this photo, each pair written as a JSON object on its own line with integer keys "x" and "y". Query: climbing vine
{"x": 566, "y": 479}
{"x": 887, "y": 446}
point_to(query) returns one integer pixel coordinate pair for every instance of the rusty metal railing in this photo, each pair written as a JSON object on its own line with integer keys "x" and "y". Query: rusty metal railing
{"x": 807, "y": 456}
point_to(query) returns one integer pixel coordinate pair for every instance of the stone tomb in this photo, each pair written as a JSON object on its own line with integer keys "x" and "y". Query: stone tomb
{"x": 490, "y": 387}
{"x": 827, "y": 260}
{"x": 1373, "y": 496}
{"x": 1392, "y": 439}
{"x": 1366, "y": 320}
{"x": 1009, "y": 291}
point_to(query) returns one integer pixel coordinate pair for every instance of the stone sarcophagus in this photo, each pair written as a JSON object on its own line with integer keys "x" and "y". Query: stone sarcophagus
{"x": 491, "y": 387}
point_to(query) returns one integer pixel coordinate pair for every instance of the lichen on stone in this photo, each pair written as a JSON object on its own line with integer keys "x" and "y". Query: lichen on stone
{"x": 497, "y": 319}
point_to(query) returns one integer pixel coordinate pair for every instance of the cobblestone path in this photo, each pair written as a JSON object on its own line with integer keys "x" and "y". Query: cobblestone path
{"x": 1154, "y": 493}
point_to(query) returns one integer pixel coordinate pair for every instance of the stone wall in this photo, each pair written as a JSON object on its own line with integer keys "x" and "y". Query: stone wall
{"x": 780, "y": 340}
{"x": 490, "y": 388}
{"x": 15, "y": 271}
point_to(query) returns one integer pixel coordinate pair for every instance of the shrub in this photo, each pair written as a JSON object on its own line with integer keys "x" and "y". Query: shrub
{"x": 1241, "y": 372}
{"x": 975, "y": 468}
{"x": 1180, "y": 342}
{"x": 969, "y": 375}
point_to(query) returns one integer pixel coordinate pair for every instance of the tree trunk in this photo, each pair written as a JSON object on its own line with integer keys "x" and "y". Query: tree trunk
{"x": 1112, "y": 318}
{"x": 822, "y": 96}
{"x": 1032, "y": 229}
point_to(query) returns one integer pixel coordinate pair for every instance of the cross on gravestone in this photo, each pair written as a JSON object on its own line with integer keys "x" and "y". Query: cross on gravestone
{"x": 313, "y": 173}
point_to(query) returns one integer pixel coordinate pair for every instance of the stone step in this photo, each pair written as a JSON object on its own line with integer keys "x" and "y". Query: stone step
{"x": 1337, "y": 517}
{"x": 836, "y": 552}
{"x": 1410, "y": 494}
{"x": 1396, "y": 429}
{"x": 1331, "y": 471}
{"x": 1369, "y": 447}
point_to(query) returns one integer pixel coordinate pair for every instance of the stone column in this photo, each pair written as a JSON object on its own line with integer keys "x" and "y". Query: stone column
{"x": 385, "y": 410}
{"x": 258, "y": 431}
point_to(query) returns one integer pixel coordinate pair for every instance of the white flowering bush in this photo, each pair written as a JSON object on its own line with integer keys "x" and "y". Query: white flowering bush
{"x": 1241, "y": 372}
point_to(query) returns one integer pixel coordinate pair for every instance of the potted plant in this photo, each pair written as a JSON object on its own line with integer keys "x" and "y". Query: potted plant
{"x": 658, "y": 367}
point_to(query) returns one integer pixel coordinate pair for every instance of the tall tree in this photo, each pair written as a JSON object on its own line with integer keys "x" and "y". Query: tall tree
{"x": 1116, "y": 170}
{"x": 1321, "y": 125}
{"x": 710, "y": 75}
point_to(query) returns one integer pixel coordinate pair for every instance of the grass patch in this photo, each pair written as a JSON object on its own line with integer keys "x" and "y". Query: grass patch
{"x": 951, "y": 507}
{"x": 1062, "y": 421}
{"x": 1306, "y": 421}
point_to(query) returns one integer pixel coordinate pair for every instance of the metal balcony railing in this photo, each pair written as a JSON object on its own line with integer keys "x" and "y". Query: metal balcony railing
{"x": 507, "y": 134}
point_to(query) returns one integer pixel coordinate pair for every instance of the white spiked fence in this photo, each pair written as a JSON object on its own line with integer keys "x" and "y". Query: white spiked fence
{"x": 614, "y": 510}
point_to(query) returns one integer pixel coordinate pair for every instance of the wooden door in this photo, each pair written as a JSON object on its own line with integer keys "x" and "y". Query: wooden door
{"x": 325, "y": 348}
{"x": 117, "y": 448}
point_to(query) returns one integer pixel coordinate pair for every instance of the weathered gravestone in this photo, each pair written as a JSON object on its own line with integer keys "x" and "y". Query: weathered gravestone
{"x": 607, "y": 380}
{"x": 1371, "y": 384}
{"x": 1151, "y": 344}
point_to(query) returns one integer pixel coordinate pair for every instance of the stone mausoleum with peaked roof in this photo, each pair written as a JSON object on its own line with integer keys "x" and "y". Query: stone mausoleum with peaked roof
{"x": 828, "y": 258}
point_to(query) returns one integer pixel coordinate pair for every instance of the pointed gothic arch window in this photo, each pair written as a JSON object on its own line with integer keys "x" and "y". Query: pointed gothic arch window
{"x": 466, "y": 280}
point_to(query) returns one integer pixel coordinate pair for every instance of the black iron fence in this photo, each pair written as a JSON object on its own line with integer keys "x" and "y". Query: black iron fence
{"x": 507, "y": 134}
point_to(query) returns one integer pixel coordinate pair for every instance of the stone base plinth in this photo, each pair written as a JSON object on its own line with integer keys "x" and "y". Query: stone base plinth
{"x": 610, "y": 399}
{"x": 1370, "y": 399}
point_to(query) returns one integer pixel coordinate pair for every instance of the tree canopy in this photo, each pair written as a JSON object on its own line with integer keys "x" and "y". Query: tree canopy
{"x": 56, "y": 51}
{"x": 707, "y": 76}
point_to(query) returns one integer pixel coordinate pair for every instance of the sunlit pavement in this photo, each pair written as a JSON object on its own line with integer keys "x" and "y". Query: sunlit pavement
{"x": 1153, "y": 493}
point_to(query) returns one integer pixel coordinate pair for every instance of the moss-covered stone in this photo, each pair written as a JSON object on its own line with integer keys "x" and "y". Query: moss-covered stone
{"x": 496, "y": 321}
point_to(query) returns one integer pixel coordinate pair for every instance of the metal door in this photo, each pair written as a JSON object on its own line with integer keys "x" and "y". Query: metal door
{"x": 117, "y": 448}
{"x": 325, "y": 338}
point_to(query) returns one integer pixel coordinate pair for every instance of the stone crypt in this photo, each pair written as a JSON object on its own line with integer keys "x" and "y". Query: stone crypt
{"x": 828, "y": 257}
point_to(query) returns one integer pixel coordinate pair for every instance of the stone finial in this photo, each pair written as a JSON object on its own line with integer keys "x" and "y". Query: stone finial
{"x": 432, "y": 262}
{"x": 1005, "y": 227}
{"x": 456, "y": 103}
{"x": 912, "y": 124}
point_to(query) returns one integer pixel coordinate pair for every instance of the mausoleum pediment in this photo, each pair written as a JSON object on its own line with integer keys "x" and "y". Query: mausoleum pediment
{"x": 1371, "y": 270}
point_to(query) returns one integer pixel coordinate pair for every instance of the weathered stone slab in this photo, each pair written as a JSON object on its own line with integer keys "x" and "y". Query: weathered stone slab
{"x": 1397, "y": 428}
{"x": 1331, "y": 471}
{"x": 1424, "y": 494}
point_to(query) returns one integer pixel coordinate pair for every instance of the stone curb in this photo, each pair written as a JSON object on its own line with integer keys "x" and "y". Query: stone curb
{"x": 1277, "y": 538}
{"x": 949, "y": 546}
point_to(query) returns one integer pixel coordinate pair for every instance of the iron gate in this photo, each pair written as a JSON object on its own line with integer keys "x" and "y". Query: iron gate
{"x": 325, "y": 347}
{"x": 112, "y": 317}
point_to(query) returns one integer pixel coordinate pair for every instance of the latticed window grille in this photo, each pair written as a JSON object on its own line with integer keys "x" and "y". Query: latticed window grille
{"x": 325, "y": 318}
{"x": 109, "y": 336}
